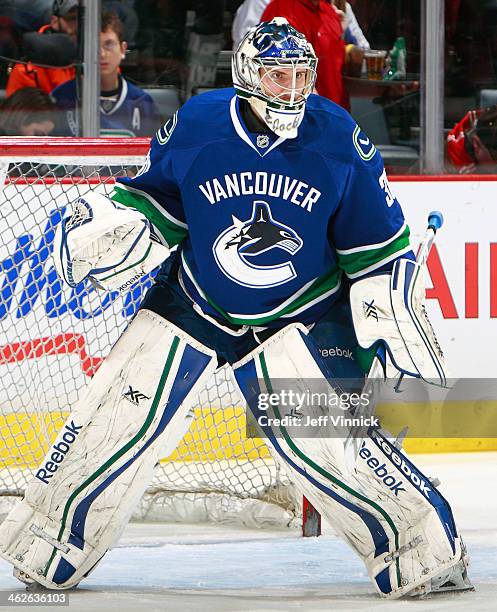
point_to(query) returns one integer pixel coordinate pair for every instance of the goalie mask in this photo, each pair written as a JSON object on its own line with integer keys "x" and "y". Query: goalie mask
{"x": 274, "y": 68}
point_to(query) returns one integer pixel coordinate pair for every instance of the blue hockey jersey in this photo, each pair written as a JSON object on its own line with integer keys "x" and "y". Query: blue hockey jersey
{"x": 134, "y": 114}
{"x": 267, "y": 226}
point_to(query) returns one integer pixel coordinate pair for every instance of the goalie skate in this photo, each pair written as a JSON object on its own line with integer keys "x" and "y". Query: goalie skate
{"x": 23, "y": 577}
{"x": 455, "y": 579}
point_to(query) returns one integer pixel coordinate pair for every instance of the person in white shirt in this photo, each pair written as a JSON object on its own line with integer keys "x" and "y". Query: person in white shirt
{"x": 353, "y": 33}
{"x": 248, "y": 14}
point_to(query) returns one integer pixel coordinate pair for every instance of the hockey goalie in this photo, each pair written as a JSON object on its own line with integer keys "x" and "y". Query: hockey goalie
{"x": 271, "y": 216}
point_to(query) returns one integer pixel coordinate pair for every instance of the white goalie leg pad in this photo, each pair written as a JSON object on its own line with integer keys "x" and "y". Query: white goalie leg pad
{"x": 404, "y": 537}
{"x": 83, "y": 494}
{"x": 425, "y": 546}
{"x": 391, "y": 308}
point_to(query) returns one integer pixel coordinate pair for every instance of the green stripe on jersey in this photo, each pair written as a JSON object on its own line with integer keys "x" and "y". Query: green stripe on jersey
{"x": 171, "y": 232}
{"x": 323, "y": 285}
{"x": 366, "y": 259}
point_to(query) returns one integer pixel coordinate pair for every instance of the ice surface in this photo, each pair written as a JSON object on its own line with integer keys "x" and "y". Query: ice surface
{"x": 204, "y": 567}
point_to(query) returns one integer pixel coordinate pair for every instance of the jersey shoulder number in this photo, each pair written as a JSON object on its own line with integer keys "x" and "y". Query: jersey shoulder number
{"x": 385, "y": 185}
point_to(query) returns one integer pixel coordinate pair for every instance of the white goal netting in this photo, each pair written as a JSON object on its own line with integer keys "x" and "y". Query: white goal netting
{"x": 52, "y": 339}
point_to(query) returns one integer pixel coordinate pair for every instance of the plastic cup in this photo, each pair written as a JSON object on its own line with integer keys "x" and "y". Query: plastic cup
{"x": 375, "y": 61}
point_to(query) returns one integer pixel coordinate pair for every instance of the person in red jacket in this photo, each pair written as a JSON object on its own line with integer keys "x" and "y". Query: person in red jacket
{"x": 472, "y": 142}
{"x": 63, "y": 21}
{"x": 321, "y": 25}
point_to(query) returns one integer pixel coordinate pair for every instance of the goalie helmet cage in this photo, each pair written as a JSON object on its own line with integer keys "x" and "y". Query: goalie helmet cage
{"x": 52, "y": 339}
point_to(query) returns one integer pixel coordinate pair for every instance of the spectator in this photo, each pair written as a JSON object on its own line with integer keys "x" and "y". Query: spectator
{"x": 321, "y": 25}
{"x": 249, "y": 14}
{"x": 27, "y": 112}
{"x": 27, "y": 15}
{"x": 125, "y": 110}
{"x": 126, "y": 12}
{"x": 472, "y": 143}
{"x": 353, "y": 33}
{"x": 10, "y": 42}
{"x": 62, "y": 22}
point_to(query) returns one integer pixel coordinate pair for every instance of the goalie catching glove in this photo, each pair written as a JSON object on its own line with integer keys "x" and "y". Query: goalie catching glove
{"x": 389, "y": 310}
{"x": 107, "y": 242}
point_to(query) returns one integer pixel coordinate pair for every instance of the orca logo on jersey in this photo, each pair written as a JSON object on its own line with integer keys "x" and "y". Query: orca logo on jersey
{"x": 247, "y": 239}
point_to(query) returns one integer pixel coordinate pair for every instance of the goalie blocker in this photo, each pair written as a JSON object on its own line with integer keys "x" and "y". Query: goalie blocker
{"x": 389, "y": 309}
{"x": 134, "y": 411}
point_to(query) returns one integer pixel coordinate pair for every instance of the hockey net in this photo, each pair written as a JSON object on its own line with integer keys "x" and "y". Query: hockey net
{"x": 53, "y": 338}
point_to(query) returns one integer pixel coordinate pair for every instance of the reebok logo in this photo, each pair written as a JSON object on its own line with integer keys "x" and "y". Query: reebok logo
{"x": 336, "y": 352}
{"x": 132, "y": 280}
{"x": 381, "y": 471}
{"x": 134, "y": 396}
{"x": 415, "y": 477}
{"x": 59, "y": 451}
